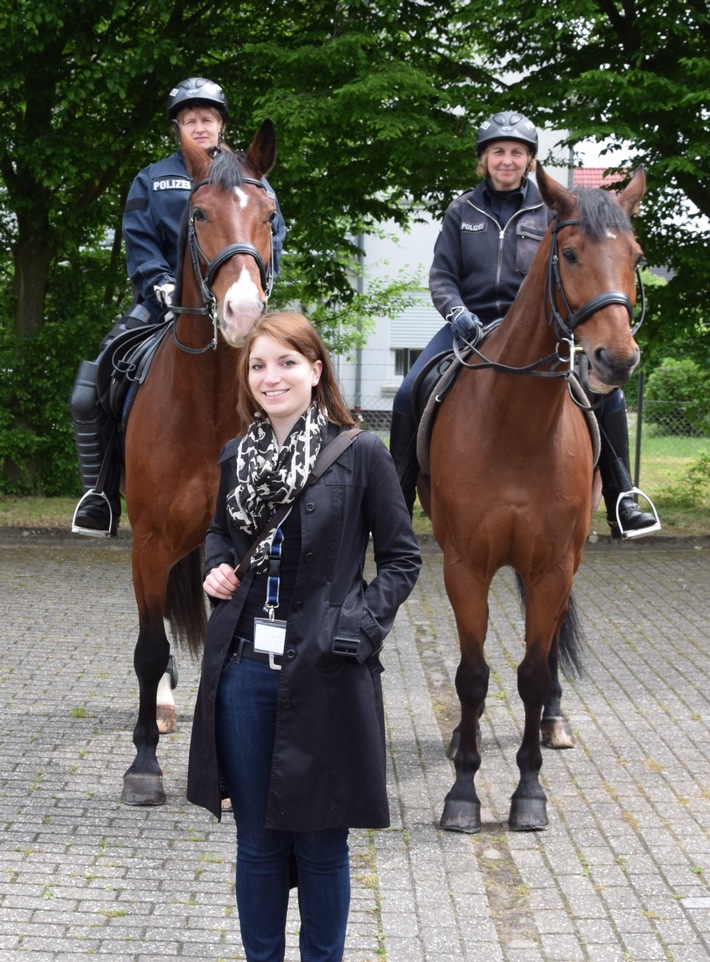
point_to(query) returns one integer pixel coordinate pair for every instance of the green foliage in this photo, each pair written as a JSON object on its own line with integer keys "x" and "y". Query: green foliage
{"x": 36, "y": 441}
{"x": 681, "y": 390}
{"x": 697, "y": 480}
{"x": 634, "y": 77}
{"x": 366, "y": 101}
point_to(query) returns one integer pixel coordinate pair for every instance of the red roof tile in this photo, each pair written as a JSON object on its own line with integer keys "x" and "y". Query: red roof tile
{"x": 594, "y": 177}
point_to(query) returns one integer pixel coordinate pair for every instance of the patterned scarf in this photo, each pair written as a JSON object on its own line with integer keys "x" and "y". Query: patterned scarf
{"x": 268, "y": 476}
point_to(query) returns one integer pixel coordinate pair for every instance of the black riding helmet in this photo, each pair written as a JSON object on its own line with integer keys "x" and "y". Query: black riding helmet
{"x": 508, "y": 125}
{"x": 196, "y": 91}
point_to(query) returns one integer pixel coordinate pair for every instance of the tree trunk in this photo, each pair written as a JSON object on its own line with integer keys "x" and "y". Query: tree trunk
{"x": 33, "y": 257}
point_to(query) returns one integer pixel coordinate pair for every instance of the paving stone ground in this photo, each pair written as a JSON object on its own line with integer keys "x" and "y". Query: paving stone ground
{"x": 622, "y": 874}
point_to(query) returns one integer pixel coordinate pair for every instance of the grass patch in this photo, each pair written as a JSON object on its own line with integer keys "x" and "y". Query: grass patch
{"x": 674, "y": 472}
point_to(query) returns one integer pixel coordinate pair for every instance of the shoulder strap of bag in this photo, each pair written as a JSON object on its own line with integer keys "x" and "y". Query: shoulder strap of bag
{"x": 330, "y": 453}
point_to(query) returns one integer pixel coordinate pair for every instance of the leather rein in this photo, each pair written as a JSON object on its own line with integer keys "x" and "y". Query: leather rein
{"x": 564, "y": 330}
{"x": 204, "y": 271}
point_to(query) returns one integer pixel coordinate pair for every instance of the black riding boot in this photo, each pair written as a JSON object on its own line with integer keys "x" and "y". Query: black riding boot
{"x": 622, "y": 515}
{"x": 99, "y": 509}
{"x": 97, "y": 513}
{"x": 403, "y": 448}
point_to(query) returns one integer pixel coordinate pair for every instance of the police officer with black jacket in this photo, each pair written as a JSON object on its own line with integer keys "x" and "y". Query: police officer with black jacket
{"x": 484, "y": 250}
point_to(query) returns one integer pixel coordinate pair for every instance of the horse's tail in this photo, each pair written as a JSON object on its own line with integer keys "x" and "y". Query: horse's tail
{"x": 185, "y": 602}
{"x": 571, "y": 641}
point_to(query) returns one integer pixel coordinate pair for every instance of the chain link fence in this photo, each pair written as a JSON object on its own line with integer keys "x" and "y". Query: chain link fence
{"x": 676, "y": 422}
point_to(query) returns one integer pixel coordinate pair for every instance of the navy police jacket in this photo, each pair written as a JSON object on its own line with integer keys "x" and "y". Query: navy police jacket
{"x": 151, "y": 227}
{"x": 477, "y": 261}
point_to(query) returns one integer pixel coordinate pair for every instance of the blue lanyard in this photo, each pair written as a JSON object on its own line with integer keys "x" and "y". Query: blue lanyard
{"x": 273, "y": 581}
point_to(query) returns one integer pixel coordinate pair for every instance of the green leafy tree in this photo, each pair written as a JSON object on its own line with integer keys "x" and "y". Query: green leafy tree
{"x": 636, "y": 76}
{"x": 366, "y": 102}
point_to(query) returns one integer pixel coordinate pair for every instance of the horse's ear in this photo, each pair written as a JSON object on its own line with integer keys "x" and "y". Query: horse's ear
{"x": 261, "y": 155}
{"x": 630, "y": 197}
{"x": 553, "y": 193}
{"x": 197, "y": 160}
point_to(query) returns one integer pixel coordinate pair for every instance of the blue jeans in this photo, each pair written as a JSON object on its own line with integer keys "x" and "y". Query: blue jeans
{"x": 246, "y": 720}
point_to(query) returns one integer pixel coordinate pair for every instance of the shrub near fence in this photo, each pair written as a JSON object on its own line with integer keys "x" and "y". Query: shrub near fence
{"x": 672, "y": 440}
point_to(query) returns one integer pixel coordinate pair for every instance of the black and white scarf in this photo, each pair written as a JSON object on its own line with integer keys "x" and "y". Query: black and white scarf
{"x": 269, "y": 476}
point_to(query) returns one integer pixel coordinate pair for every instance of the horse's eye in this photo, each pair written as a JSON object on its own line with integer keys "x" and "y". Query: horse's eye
{"x": 569, "y": 255}
{"x": 199, "y": 214}
{"x": 272, "y": 216}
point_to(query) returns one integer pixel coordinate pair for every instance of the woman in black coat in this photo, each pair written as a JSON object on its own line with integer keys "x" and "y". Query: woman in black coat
{"x": 289, "y": 713}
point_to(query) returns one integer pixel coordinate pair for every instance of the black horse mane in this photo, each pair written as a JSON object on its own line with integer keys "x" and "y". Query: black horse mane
{"x": 226, "y": 171}
{"x": 599, "y": 212}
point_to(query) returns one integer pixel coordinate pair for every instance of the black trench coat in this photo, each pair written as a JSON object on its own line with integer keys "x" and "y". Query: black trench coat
{"x": 329, "y": 761}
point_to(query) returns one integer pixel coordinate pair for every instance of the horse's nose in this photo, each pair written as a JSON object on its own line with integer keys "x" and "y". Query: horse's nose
{"x": 614, "y": 368}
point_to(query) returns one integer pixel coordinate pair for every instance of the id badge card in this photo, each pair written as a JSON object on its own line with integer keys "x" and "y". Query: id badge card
{"x": 269, "y": 636}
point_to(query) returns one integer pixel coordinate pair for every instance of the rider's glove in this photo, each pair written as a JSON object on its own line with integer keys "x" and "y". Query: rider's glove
{"x": 164, "y": 296}
{"x": 465, "y": 326}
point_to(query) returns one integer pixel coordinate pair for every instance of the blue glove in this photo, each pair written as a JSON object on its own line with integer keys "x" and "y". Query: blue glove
{"x": 465, "y": 326}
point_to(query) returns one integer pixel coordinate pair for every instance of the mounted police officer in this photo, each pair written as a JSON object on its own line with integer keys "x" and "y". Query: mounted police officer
{"x": 484, "y": 250}
{"x": 197, "y": 108}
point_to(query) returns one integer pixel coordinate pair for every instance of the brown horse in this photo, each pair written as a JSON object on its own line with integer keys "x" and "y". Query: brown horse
{"x": 512, "y": 470}
{"x": 185, "y": 412}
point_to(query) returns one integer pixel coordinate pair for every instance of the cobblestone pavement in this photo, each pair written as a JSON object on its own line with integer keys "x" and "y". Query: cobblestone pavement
{"x": 620, "y": 876}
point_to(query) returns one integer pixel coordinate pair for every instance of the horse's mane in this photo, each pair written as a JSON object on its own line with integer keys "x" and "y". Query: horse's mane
{"x": 227, "y": 169}
{"x": 599, "y": 212}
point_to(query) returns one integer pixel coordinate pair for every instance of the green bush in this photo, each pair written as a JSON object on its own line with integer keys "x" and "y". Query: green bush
{"x": 37, "y": 454}
{"x": 678, "y": 392}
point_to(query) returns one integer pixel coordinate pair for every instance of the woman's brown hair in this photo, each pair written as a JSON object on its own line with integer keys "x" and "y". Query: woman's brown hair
{"x": 300, "y": 335}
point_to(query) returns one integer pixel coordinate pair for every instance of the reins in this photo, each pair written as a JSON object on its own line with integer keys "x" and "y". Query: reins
{"x": 564, "y": 331}
{"x": 199, "y": 262}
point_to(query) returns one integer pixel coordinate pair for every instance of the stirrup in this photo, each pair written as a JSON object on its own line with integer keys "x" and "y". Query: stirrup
{"x": 92, "y": 532}
{"x": 636, "y": 532}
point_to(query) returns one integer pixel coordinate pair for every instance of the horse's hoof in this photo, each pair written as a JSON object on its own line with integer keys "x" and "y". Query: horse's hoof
{"x": 165, "y": 717}
{"x": 528, "y": 815}
{"x": 556, "y": 733}
{"x": 142, "y": 789}
{"x": 461, "y": 816}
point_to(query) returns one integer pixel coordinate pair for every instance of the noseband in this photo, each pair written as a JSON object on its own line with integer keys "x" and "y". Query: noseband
{"x": 204, "y": 271}
{"x": 564, "y": 330}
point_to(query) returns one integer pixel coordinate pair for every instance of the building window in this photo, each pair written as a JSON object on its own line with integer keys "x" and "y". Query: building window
{"x": 404, "y": 357}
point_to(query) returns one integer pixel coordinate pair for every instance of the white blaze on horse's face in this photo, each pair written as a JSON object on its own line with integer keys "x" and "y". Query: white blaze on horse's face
{"x": 243, "y": 198}
{"x": 240, "y": 308}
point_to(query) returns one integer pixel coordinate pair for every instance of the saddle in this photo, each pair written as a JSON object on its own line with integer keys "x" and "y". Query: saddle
{"x": 123, "y": 366}
{"x": 436, "y": 379}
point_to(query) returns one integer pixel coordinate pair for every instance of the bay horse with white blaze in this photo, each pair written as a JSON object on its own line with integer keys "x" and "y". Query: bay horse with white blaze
{"x": 511, "y": 474}
{"x": 186, "y": 411}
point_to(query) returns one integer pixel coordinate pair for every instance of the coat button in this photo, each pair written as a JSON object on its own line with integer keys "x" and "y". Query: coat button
{"x": 308, "y": 556}
{"x": 297, "y": 605}
{"x": 290, "y": 653}
{"x": 310, "y": 507}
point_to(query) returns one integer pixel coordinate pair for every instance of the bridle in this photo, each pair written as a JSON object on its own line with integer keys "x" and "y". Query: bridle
{"x": 204, "y": 271}
{"x": 564, "y": 330}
